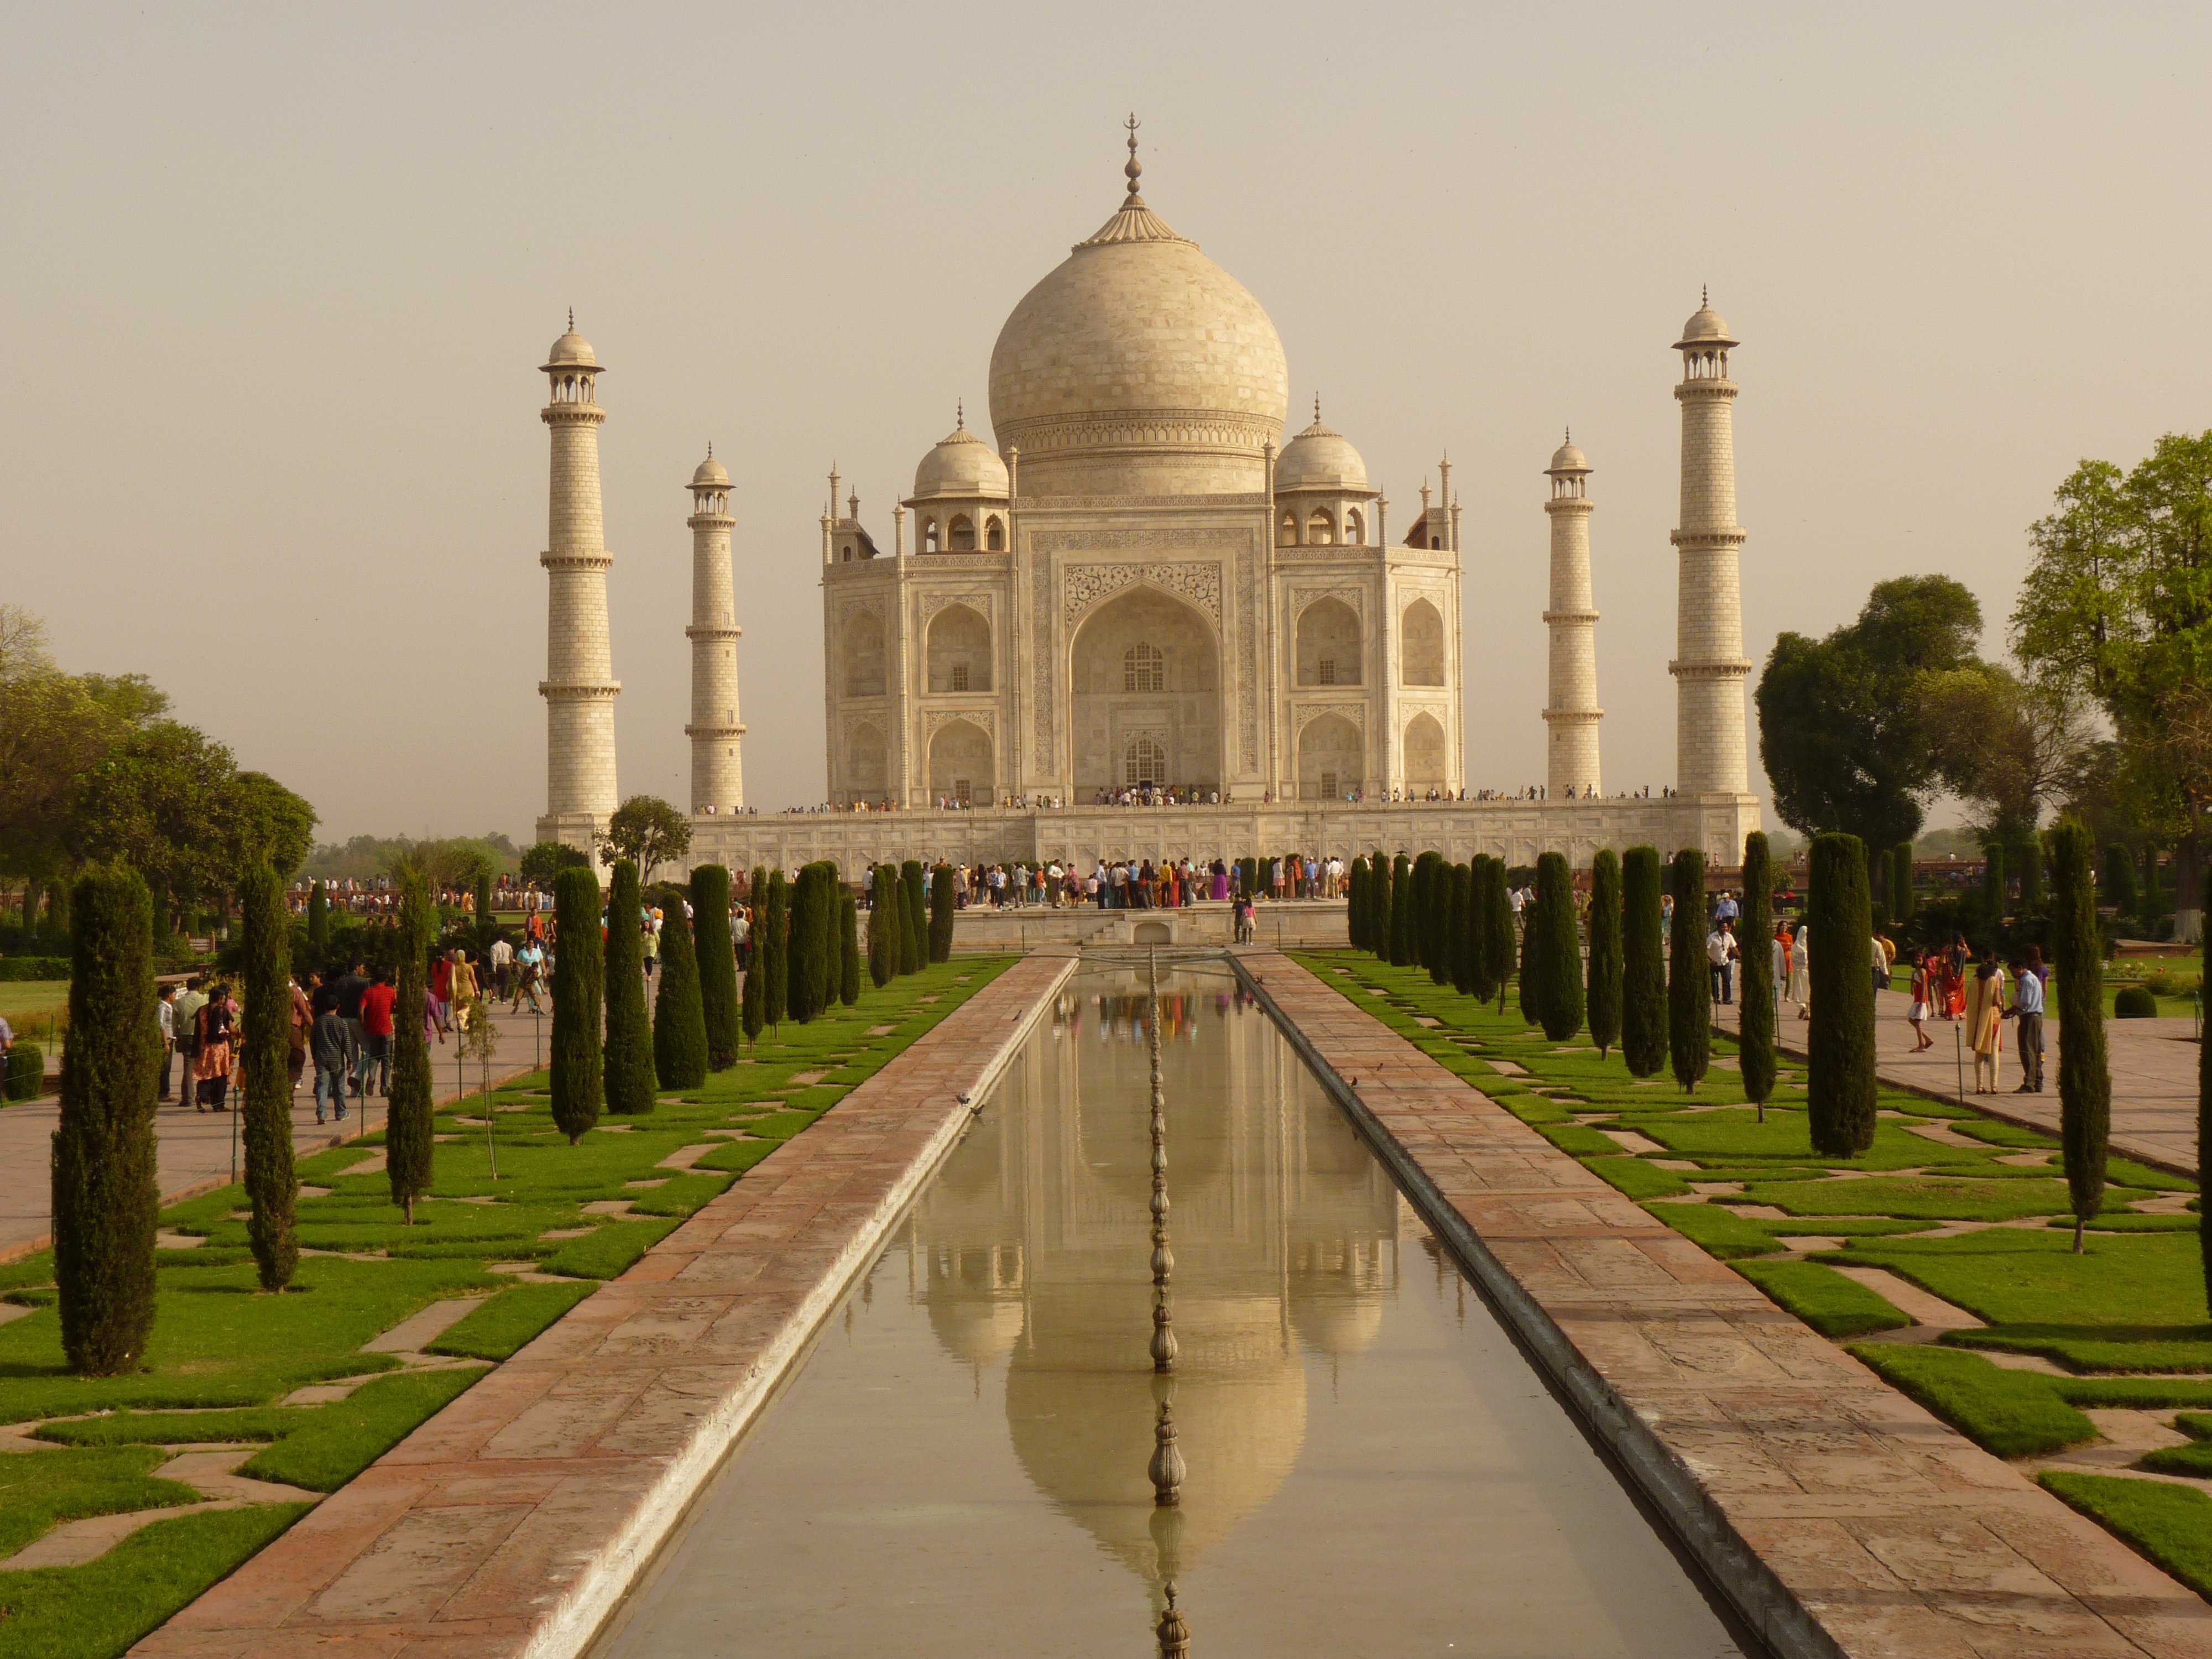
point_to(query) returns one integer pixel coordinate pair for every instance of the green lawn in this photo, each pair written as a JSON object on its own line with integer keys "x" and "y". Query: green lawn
{"x": 2123, "y": 1318}
{"x": 224, "y": 1356}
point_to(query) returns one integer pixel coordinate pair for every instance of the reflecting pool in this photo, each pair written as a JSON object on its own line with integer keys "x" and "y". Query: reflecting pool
{"x": 1370, "y": 1465}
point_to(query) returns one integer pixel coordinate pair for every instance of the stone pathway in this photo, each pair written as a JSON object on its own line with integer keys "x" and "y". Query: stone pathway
{"x": 196, "y": 1147}
{"x": 515, "y": 1519}
{"x": 1831, "y": 1508}
{"x": 2153, "y": 1065}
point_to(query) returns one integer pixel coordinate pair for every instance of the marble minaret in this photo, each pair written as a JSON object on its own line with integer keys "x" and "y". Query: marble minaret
{"x": 579, "y": 687}
{"x": 717, "y": 778}
{"x": 1709, "y": 667}
{"x": 1572, "y": 714}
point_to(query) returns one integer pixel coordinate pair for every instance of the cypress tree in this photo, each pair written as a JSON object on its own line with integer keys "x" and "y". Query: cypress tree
{"x": 807, "y": 976}
{"x": 752, "y": 1007}
{"x": 1531, "y": 981}
{"x": 1901, "y": 901}
{"x": 1642, "y": 965}
{"x": 105, "y": 1198}
{"x": 2031, "y": 873}
{"x": 2085, "y": 1081}
{"x": 579, "y": 1077}
{"x": 1561, "y": 1011}
{"x": 1605, "y": 969}
{"x": 1355, "y": 896}
{"x": 629, "y": 1081}
{"x": 1502, "y": 941}
{"x": 717, "y": 964}
{"x": 318, "y": 917}
{"x": 1431, "y": 921}
{"x": 1378, "y": 906}
{"x": 270, "y": 1187}
{"x": 679, "y": 1013}
{"x": 1755, "y": 996}
{"x": 1401, "y": 911}
{"x": 2119, "y": 882}
{"x": 772, "y": 950}
{"x": 1462, "y": 925}
{"x": 1689, "y": 1013}
{"x": 1840, "y": 1049}
{"x": 409, "y": 1136}
{"x": 914, "y": 944}
{"x": 883, "y": 928}
{"x": 1996, "y": 899}
{"x": 944, "y": 911}
{"x": 485, "y": 925}
{"x": 1482, "y": 983}
{"x": 848, "y": 948}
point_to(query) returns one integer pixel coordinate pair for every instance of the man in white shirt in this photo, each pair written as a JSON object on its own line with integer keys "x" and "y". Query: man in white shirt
{"x": 1720, "y": 950}
{"x": 167, "y": 1011}
{"x": 502, "y": 966}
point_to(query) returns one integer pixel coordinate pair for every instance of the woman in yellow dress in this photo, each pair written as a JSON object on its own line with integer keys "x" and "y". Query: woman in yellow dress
{"x": 465, "y": 991}
{"x": 1985, "y": 1024}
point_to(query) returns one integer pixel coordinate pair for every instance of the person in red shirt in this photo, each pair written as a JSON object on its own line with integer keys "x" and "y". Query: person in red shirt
{"x": 376, "y": 1005}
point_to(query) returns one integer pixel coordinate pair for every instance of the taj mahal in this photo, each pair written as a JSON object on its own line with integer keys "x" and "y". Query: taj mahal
{"x": 1144, "y": 581}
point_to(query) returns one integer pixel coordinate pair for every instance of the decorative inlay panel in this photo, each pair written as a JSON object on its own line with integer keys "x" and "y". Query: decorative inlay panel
{"x": 933, "y": 603}
{"x": 1083, "y": 586}
{"x": 936, "y": 718}
{"x": 1310, "y": 712}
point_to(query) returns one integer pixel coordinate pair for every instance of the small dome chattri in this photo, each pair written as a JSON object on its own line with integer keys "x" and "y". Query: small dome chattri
{"x": 711, "y": 472}
{"x": 960, "y": 464}
{"x": 1568, "y": 458}
{"x": 1705, "y": 327}
{"x": 1319, "y": 458}
{"x": 571, "y": 351}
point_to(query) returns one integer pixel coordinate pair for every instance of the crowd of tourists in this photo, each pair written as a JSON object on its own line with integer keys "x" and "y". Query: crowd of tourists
{"x": 1129, "y": 883}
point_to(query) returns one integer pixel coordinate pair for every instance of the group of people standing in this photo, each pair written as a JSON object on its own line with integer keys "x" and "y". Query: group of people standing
{"x": 1982, "y": 993}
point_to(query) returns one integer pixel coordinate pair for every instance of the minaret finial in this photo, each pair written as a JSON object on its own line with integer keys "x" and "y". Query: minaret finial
{"x": 1316, "y": 409}
{"x": 710, "y": 449}
{"x": 1704, "y": 294}
{"x": 959, "y": 413}
{"x": 572, "y": 319}
{"x": 1571, "y": 434}
{"x": 1133, "y": 167}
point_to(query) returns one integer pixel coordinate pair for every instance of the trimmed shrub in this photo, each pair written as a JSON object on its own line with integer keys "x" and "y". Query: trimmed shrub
{"x": 1432, "y": 916}
{"x": 408, "y": 1135}
{"x": 679, "y": 1013}
{"x": 1561, "y": 1012}
{"x": 884, "y": 927}
{"x": 1602, "y": 1000}
{"x": 848, "y": 947}
{"x": 772, "y": 949}
{"x": 1482, "y": 980}
{"x": 26, "y": 1071}
{"x": 1378, "y": 906}
{"x": 1459, "y": 928}
{"x": 1501, "y": 940}
{"x": 913, "y": 911}
{"x": 2085, "y": 1081}
{"x": 812, "y": 911}
{"x": 1401, "y": 912}
{"x": 1755, "y": 995}
{"x": 1642, "y": 965}
{"x": 629, "y": 1081}
{"x": 943, "y": 912}
{"x": 270, "y": 1187}
{"x": 318, "y": 917}
{"x": 577, "y": 1079}
{"x": 1840, "y": 1082}
{"x": 1355, "y": 897}
{"x": 106, "y": 1196}
{"x": 1689, "y": 1017}
{"x": 2129, "y": 1002}
{"x": 717, "y": 964}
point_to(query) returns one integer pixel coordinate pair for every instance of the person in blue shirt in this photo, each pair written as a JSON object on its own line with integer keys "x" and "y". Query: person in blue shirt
{"x": 2027, "y": 1005}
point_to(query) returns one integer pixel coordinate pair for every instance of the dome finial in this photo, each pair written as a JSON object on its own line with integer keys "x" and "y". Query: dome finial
{"x": 1134, "y": 168}
{"x": 710, "y": 449}
{"x": 572, "y": 319}
{"x": 1704, "y": 294}
{"x": 1316, "y": 409}
{"x": 959, "y": 414}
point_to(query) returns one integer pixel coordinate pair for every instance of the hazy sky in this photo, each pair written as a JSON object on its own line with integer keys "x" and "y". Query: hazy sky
{"x": 278, "y": 279}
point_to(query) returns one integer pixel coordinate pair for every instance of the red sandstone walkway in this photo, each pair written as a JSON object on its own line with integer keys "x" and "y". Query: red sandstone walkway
{"x": 1895, "y": 1534}
{"x": 514, "y": 1520}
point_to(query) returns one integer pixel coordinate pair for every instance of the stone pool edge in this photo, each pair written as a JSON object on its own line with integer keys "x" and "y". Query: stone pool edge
{"x": 1834, "y": 1608}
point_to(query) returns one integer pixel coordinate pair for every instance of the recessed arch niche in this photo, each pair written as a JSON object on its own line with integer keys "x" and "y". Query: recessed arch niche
{"x": 959, "y": 650}
{"x": 1177, "y": 704}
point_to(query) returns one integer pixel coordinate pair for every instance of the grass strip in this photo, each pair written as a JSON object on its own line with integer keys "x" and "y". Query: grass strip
{"x": 503, "y": 1326}
{"x": 1580, "y": 1141}
{"x": 39, "y": 1490}
{"x": 2100, "y": 1347}
{"x": 737, "y": 1156}
{"x": 1637, "y": 1178}
{"x": 1719, "y": 1232}
{"x": 2195, "y": 1458}
{"x": 174, "y": 1428}
{"x": 2012, "y": 1414}
{"x": 2031, "y": 1276}
{"x": 2171, "y": 1524}
{"x": 337, "y": 1442}
{"x": 98, "y": 1610}
{"x": 610, "y": 1251}
{"x": 1823, "y": 1298}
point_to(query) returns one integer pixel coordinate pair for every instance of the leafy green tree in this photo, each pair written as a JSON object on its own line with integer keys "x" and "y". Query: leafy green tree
{"x": 1755, "y": 996}
{"x": 1643, "y": 1007}
{"x": 1460, "y": 930}
{"x": 1901, "y": 900}
{"x": 1997, "y": 887}
{"x": 2118, "y": 887}
{"x": 105, "y": 1195}
{"x": 408, "y": 1134}
{"x": 1430, "y": 919}
{"x": 772, "y": 950}
{"x": 2084, "y": 1080}
{"x": 648, "y": 831}
{"x": 679, "y": 1011}
{"x": 629, "y": 1081}
{"x": 1841, "y": 727}
{"x": 1501, "y": 941}
{"x": 885, "y": 927}
{"x": 270, "y": 1188}
{"x": 1561, "y": 1012}
{"x": 1604, "y": 991}
{"x": 318, "y": 917}
{"x": 1401, "y": 912}
{"x": 717, "y": 964}
{"x": 1689, "y": 1013}
{"x": 1841, "y": 1086}
{"x": 914, "y": 944}
{"x": 543, "y": 863}
{"x": 848, "y": 947}
{"x": 944, "y": 911}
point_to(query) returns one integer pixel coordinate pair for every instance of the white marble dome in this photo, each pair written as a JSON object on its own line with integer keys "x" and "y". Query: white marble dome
{"x": 960, "y": 464}
{"x": 711, "y": 474}
{"x": 571, "y": 351}
{"x": 1139, "y": 366}
{"x": 1567, "y": 458}
{"x": 1706, "y": 327}
{"x": 1319, "y": 458}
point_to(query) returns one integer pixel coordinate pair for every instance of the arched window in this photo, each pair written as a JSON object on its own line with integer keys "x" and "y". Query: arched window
{"x": 1144, "y": 668}
{"x": 1421, "y": 645}
{"x": 1329, "y": 641}
{"x": 1286, "y": 533}
{"x": 1320, "y": 532}
{"x": 1355, "y": 528}
{"x": 1144, "y": 761}
{"x": 929, "y": 535}
{"x": 960, "y": 534}
{"x": 959, "y": 650}
{"x": 994, "y": 534}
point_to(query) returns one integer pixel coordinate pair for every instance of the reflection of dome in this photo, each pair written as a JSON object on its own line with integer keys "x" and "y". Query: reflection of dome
{"x": 1136, "y": 362}
{"x": 976, "y": 1330}
{"x": 960, "y": 465}
{"x": 1318, "y": 458}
